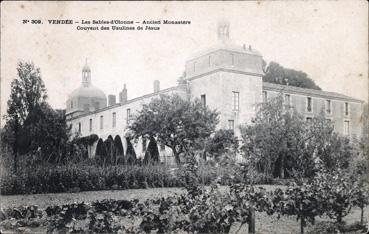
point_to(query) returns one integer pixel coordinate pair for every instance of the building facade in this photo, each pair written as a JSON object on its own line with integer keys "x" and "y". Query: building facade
{"x": 227, "y": 78}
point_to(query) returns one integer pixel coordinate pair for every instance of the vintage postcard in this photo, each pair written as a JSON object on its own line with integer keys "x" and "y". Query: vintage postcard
{"x": 184, "y": 117}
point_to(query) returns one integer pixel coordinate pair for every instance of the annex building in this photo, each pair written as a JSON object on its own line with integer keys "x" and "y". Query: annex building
{"x": 227, "y": 78}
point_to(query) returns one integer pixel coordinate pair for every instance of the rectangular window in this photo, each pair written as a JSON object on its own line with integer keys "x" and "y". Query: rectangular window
{"x": 265, "y": 96}
{"x": 231, "y": 124}
{"x": 209, "y": 61}
{"x": 309, "y": 104}
{"x": 128, "y": 115}
{"x": 203, "y": 100}
{"x": 232, "y": 59}
{"x": 346, "y": 108}
{"x": 90, "y": 125}
{"x": 101, "y": 122}
{"x": 346, "y": 127}
{"x": 328, "y": 106}
{"x": 287, "y": 99}
{"x": 194, "y": 66}
{"x": 79, "y": 127}
{"x": 114, "y": 119}
{"x": 235, "y": 101}
{"x": 309, "y": 119}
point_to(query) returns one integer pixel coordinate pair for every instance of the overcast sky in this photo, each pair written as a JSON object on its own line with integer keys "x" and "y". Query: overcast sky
{"x": 327, "y": 40}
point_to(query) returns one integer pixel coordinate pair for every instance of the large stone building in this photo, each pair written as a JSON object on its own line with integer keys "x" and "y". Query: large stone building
{"x": 227, "y": 78}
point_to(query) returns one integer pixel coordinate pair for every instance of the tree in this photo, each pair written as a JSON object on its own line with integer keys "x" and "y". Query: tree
{"x": 224, "y": 141}
{"x": 46, "y": 131}
{"x": 27, "y": 92}
{"x": 180, "y": 124}
{"x": 31, "y": 124}
{"x": 278, "y": 74}
{"x": 275, "y": 139}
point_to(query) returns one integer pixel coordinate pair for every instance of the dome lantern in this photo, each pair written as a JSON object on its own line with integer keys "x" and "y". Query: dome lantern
{"x": 86, "y": 75}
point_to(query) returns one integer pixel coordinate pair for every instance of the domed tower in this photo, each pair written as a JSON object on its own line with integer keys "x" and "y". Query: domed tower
{"x": 227, "y": 77}
{"x": 86, "y": 98}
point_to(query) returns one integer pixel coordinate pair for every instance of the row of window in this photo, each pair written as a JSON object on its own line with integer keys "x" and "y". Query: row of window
{"x": 309, "y": 103}
{"x": 114, "y": 121}
{"x": 346, "y": 125}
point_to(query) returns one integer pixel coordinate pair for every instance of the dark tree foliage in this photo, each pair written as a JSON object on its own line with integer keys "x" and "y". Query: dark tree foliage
{"x": 31, "y": 124}
{"x": 109, "y": 146}
{"x": 278, "y": 74}
{"x": 180, "y": 124}
{"x": 224, "y": 141}
{"x": 87, "y": 140}
{"x": 152, "y": 152}
{"x": 281, "y": 143}
{"x": 131, "y": 154}
{"x": 118, "y": 150}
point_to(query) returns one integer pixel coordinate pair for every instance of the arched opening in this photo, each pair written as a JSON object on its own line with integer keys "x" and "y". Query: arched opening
{"x": 152, "y": 152}
{"x": 101, "y": 152}
{"x": 118, "y": 150}
{"x": 131, "y": 154}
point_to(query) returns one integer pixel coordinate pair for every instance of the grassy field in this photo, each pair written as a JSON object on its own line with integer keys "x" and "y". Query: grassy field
{"x": 264, "y": 223}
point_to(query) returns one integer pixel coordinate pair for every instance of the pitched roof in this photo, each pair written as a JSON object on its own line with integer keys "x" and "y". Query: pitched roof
{"x": 308, "y": 92}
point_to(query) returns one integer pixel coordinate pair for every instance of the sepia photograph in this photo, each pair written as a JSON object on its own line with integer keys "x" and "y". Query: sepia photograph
{"x": 184, "y": 117}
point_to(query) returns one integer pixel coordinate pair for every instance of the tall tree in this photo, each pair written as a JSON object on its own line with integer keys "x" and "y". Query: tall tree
{"x": 275, "y": 73}
{"x": 280, "y": 141}
{"x": 31, "y": 124}
{"x": 28, "y": 91}
{"x": 274, "y": 139}
{"x": 180, "y": 124}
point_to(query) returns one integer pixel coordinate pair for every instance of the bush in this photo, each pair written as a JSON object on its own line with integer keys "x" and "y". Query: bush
{"x": 85, "y": 177}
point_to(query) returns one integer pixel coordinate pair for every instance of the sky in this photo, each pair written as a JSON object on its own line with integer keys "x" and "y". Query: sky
{"x": 326, "y": 39}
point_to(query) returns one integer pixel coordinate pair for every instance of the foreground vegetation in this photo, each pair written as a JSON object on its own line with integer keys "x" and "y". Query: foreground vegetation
{"x": 211, "y": 210}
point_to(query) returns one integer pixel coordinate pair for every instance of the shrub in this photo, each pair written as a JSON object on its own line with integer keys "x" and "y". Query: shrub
{"x": 48, "y": 178}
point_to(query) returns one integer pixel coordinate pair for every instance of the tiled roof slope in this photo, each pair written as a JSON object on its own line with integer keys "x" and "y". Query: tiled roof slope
{"x": 304, "y": 91}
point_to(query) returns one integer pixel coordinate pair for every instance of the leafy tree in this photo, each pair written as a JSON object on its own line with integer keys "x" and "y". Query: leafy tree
{"x": 27, "y": 92}
{"x": 275, "y": 138}
{"x": 278, "y": 74}
{"x": 152, "y": 152}
{"x": 31, "y": 124}
{"x": 46, "y": 131}
{"x": 280, "y": 141}
{"x": 302, "y": 201}
{"x": 224, "y": 141}
{"x": 180, "y": 124}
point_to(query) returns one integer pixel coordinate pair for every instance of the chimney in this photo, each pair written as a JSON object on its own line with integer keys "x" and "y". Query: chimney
{"x": 112, "y": 100}
{"x": 156, "y": 86}
{"x": 123, "y": 95}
